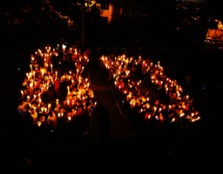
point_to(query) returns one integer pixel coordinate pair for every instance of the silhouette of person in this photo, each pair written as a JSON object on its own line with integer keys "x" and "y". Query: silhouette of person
{"x": 104, "y": 122}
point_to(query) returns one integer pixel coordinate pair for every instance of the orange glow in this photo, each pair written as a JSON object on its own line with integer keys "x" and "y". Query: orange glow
{"x": 108, "y": 13}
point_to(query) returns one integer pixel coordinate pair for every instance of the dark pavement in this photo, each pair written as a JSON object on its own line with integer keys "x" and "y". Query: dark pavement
{"x": 119, "y": 126}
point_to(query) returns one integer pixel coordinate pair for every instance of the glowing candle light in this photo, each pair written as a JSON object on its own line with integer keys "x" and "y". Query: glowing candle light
{"x": 64, "y": 47}
{"x": 173, "y": 120}
{"x": 49, "y": 106}
{"x": 68, "y": 102}
{"x": 39, "y": 123}
{"x": 34, "y": 73}
{"x": 31, "y": 67}
{"x": 57, "y": 101}
{"x": 82, "y": 69}
{"x": 68, "y": 90}
{"x": 77, "y": 71}
{"x": 22, "y": 93}
{"x": 32, "y": 58}
{"x": 51, "y": 66}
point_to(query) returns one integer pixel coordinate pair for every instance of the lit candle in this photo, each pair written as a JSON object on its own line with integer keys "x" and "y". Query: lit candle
{"x": 57, "y": 101}
{"x": 51, "y": 66}
{"x": 32, "y": 58}
{"x": 82, "y": 69}
{"x": 39, "y": 123}
{"x": 31, "y": 67}
{"x": 68, "y": 90}
{"x": 49, "y": 106}
{"x": 77, "y": 71}
{"x": 64, "y": 47}
{"x": 34, "y": 74}
{"x": 22, "y": 93}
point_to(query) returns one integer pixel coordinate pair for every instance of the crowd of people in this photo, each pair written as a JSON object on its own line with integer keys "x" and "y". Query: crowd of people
{"x": 147, "y": 93}
{"x": 55, "y": 90}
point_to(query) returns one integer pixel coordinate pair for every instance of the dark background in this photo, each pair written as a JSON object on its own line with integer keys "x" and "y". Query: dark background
{"x": 196, "y": 67}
